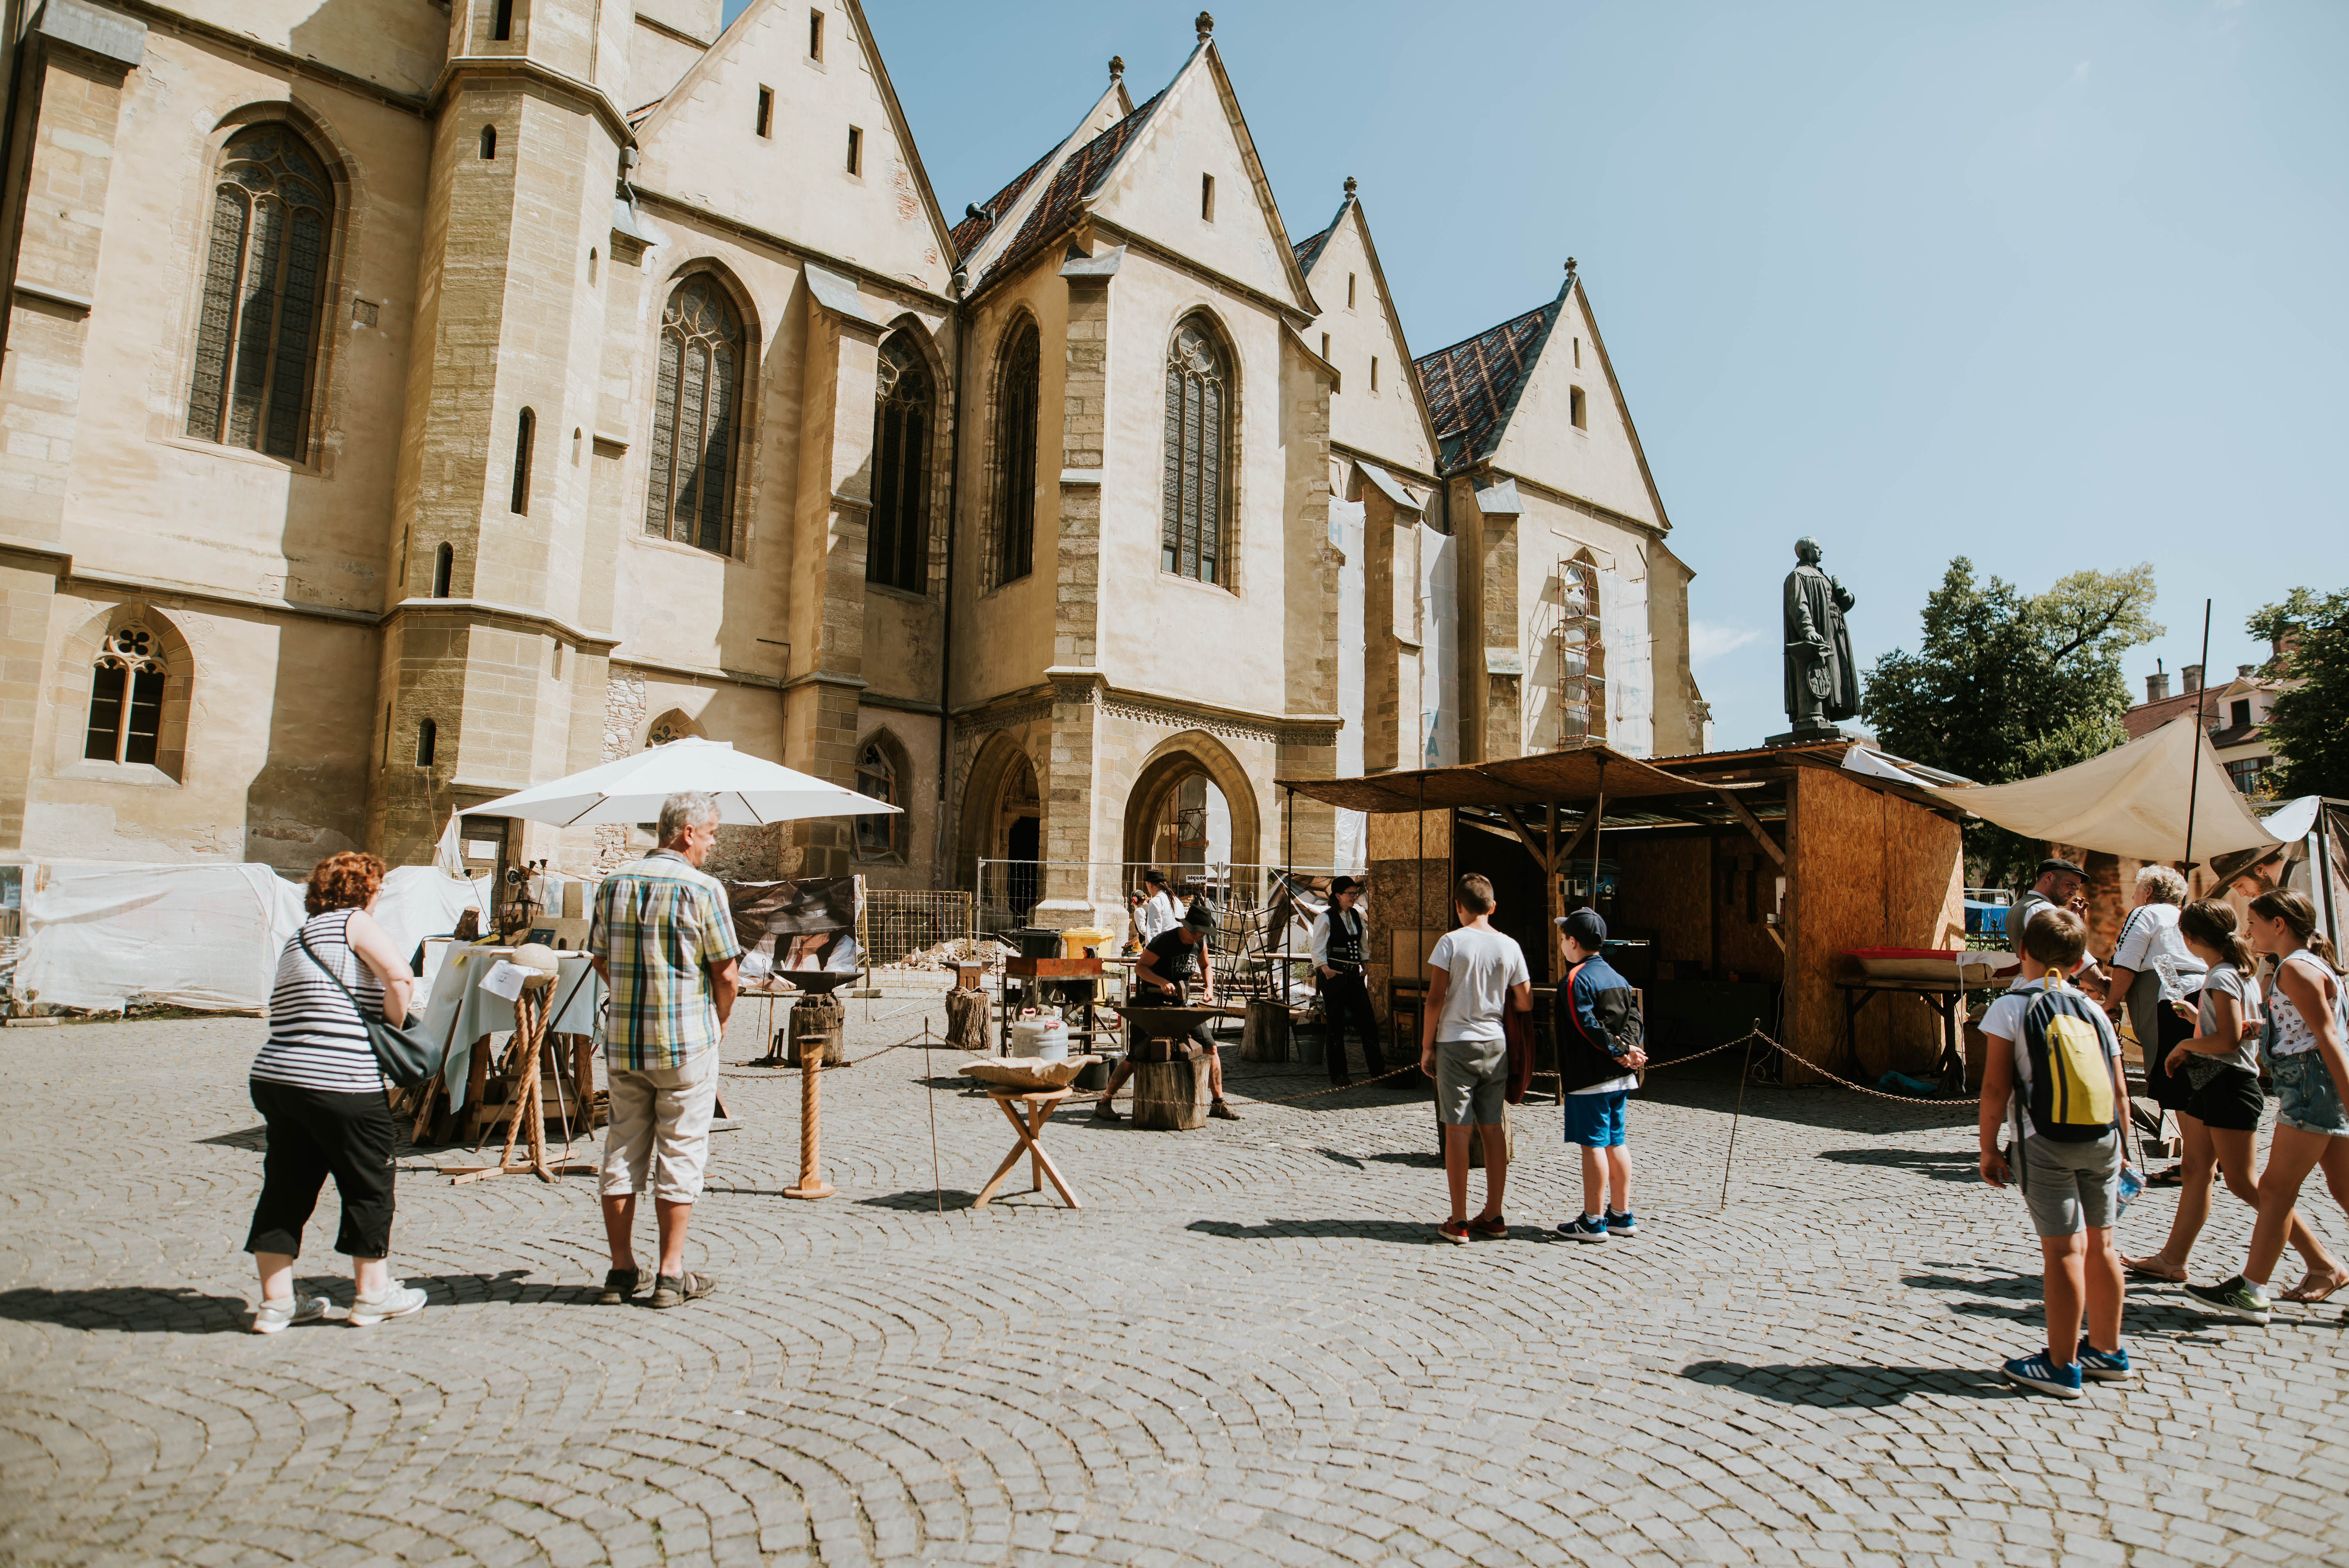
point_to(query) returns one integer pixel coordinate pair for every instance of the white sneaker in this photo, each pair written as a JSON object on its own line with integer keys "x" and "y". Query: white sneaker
{"x": 276, "y": 1317}
{"x": 394, "y": 1300}
{"x": 1584, "y": 1228}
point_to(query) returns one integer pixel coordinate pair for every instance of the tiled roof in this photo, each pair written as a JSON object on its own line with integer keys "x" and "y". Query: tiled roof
{"x": 1077, "y": 180}
{"x": 636, "y": 117}
{"x": 1308, "y": 249}
{"x": 1472, "y": 386}
{"x": 968, "y": 233}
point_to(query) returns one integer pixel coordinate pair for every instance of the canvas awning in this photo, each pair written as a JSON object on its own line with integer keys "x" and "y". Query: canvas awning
{"x": 1579, "y": 774}
{"x": 2131, "y": 801}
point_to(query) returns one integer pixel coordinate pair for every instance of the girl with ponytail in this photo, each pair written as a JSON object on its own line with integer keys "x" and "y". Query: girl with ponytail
{"x": 2306, "y": 1042}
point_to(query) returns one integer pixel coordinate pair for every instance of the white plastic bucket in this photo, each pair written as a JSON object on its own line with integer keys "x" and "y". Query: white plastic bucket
{"x": 1047, "y": 1039}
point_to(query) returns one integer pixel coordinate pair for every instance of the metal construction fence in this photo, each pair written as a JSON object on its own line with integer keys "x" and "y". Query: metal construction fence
{"x": 899, "y": 923}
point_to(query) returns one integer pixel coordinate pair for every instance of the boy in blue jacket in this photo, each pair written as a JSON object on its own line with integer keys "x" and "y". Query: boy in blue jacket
{"x": 1600, "y": 1034}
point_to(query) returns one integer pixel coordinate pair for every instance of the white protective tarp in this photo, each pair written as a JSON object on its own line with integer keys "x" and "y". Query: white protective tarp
{"x": 417, "y": 902}
{"x": 2131, "y": 801}
{"x": 100, "y": 934}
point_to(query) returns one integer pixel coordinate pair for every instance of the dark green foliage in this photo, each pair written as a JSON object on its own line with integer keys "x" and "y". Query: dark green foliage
{"x": 2309, "y": 725}
{"x": 2007, "y": 685}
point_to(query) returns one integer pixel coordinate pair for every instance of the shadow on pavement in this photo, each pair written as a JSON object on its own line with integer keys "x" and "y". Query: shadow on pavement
{"x": 131, "y": 1309}
{"x": 1940, "y": 1167}
{"x": 1830, "y": 1385}
{"x": 1825, "y": 1106}
{"x": 253, "y": 1140}
{"x": 916, "y": 1198}
{"x": 1414, "y": 1233}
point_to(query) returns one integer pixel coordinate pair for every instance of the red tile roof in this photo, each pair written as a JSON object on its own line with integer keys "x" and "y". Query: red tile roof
{"x": 968, "y": 233}
{"x": 1073, "y": 183}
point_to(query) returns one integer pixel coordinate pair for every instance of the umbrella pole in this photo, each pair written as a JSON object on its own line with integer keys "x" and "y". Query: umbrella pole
{"x": 2194, "y": 769}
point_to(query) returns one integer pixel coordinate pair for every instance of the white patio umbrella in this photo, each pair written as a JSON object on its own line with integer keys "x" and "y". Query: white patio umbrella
{"x": 751, "y": 791}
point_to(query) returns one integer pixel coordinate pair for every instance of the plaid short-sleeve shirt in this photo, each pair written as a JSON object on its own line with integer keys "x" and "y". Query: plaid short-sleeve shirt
{"x": 657, "y": 924}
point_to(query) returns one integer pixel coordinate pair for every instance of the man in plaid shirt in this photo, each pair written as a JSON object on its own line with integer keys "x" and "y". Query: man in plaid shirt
{"x": 664, "y": 942}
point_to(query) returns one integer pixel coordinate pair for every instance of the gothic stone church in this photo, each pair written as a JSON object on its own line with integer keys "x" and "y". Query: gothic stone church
{"x": 409, "y": 400}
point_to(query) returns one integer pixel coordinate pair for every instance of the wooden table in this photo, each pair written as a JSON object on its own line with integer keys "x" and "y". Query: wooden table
{"x": 1040, "y": 1104}
{"x": 1944, "y": 997}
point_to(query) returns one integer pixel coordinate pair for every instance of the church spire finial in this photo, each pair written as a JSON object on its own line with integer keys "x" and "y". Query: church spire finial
{"x": 1570, "y": 269}
{"x": 1117, "y": 67}
{"x": 1350, "y": 186}
{"x": 1206, "y": 25}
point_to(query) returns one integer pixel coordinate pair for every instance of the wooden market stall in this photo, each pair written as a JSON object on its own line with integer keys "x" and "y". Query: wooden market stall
{"x": 1736, "y": 883}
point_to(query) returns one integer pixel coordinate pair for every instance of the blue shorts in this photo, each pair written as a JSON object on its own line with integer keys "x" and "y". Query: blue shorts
{"x": 2306, "y": 1096}
{"x": 1595, "y": 1121}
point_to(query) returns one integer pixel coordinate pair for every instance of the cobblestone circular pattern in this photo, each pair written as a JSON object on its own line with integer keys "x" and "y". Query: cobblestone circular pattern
{"x": 1248, "y": 1348}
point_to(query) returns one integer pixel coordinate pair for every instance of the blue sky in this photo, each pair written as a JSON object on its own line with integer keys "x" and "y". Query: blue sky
{"x": 2050, "y": 286}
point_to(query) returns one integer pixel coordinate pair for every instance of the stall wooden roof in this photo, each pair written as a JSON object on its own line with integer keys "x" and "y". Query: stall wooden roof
{"x": 1563, "y": 776}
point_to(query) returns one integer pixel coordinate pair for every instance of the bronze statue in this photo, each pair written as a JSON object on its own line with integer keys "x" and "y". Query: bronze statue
{"x": 1822, "y": 685}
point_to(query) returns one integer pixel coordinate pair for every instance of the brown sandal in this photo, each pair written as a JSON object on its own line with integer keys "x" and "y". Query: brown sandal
{"x": 2146, "y": 1268}
{"x": 2307, "y": 1293}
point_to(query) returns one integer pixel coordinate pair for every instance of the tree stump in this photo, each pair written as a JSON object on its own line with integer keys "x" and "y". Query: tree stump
{"x": 1171, "y": 1096}
{"x": 967, "y": 1020}
{"x": 1263, "y": 1035}
{"x": 1477, "y": 1139}
{"x": 817, "y": 1024}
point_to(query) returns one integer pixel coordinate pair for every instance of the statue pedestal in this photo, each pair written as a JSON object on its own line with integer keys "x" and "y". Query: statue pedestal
{"x": 1807, "y": 737}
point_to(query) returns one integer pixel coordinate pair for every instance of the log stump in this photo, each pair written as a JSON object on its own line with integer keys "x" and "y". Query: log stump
{"x": 967, "y": 1020}
{"x": 1263, "y": 1035}
{"x": 1171, "y": 1096}
{"x": 817, "y": 1024}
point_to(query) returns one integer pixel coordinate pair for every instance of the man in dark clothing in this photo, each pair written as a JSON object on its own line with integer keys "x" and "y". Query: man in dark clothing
{"x": 1341, "y": 946}
{"x": 1599, "y": 1033}
{"x": 1162, "y": 978}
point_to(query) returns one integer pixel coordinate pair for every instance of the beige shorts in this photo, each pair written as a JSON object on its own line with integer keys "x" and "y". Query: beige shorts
{"x": 660, "y": 1129}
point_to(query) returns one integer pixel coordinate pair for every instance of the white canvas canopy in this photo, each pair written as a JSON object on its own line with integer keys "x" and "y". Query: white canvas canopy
{"x": 102, "y": 935}
{"x": 2131, "y": 801}
{"x": 751, "y": 791}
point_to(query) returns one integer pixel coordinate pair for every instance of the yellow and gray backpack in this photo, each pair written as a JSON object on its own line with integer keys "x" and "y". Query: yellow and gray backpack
{"x": 2072, "y": 1098}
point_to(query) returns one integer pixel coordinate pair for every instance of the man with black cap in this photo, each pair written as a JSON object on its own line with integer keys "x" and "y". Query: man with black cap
{"x": 1340, "y": 946}
{"x": 2058, "y": 882}
{"x": 1162, "y": 978}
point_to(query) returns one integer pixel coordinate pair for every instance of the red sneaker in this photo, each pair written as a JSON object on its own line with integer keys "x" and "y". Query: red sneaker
{"x": 1492, "y": 1227}
{"x": 1454, "y": 1231}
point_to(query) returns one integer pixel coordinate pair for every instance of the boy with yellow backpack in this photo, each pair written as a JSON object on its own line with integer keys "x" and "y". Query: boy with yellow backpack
{"x": 2053, "y": 1074}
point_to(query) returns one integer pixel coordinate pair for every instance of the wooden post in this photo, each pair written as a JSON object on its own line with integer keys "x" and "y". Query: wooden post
{"x": 811, "y": 1184}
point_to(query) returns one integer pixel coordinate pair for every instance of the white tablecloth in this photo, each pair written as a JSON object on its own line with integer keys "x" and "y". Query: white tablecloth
{"x": 458, "y": 1000}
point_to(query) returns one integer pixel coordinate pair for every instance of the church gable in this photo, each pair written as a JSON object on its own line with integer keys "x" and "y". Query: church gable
{"x": 792, "y": 127}
{"x": 1156, "y": 184}
{"x": 1570, "y": 428}
{"x": 1377, "y": 408}
{"x": 988, "y": 229}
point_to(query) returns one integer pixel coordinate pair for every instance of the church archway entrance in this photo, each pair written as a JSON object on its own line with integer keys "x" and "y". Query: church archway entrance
{"x": 1191, "y": 808}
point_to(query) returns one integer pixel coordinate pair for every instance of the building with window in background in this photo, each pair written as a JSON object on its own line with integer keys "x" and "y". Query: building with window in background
{"x": 411, "y": 401}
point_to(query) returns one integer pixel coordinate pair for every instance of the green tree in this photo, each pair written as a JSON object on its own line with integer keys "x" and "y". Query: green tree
{"x": 2007, "y": 685}
{"x": 2309, "y": 725}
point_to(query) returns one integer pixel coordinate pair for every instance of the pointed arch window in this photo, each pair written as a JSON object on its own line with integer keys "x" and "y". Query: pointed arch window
{"x": 697, "y": 418}
{"x": 1197, "y": 455}
{"x": 126, "y": 699}
{"x": 1581, "y": 653}
{"x": 263, "y": 290}
{"x": 1016, "y": 406}
{"x": 897, "y": 544}
{"x": 876, "y": 779}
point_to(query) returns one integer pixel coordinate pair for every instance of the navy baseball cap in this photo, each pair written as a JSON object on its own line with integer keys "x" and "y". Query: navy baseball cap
{"x": 1587, "y": 927}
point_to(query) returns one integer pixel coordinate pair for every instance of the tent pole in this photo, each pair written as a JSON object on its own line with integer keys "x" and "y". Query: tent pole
{"x": 2194, "y": 772}
{"x": 2325, "y": 866}
{"x": 1598, "y": 826}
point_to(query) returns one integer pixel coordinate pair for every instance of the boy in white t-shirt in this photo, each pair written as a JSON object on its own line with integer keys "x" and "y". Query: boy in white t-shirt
{"x": 2069, "y": 1169}
{"x": 1474, "y": 975}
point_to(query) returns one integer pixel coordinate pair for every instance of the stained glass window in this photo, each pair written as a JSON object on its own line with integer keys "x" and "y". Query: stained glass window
{"x": 264, "y": 282}
{"x": 696, "y": 417}
{"x": 897, "y": 545}
{"x": 1015, "y": 445}
{"x": 1191, "y": 543}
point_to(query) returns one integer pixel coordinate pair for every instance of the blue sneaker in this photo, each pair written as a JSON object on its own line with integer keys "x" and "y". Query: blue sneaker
{"x": 2102, "y": 1367}
{"x": 1585, "y": 1228}
{"x": 2042, "y": 1376}
{"x": 1622, "y": 1224}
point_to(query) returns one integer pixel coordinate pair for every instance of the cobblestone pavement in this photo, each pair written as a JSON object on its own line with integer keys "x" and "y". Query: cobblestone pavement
{"x": 1248, "y": 1348}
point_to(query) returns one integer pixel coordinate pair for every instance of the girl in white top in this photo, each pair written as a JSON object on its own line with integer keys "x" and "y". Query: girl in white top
{"x": 2308, "y": 1029}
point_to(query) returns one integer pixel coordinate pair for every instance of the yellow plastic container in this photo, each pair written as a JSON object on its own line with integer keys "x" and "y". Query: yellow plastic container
{"x": 1079, "y": 941}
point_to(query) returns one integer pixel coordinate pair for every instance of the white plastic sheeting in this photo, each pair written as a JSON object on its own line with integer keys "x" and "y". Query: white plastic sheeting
{"x": 1346, "y": 532}
{"x": 1439, "y": 667}
{"x": 99, "y": 935}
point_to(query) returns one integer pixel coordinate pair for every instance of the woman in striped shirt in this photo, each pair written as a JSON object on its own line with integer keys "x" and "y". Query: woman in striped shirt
{"x": 317, "y": 1086}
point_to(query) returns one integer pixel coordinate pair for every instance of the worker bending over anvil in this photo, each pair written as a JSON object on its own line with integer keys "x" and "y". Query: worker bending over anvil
{"x": 1162, "y": 978}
